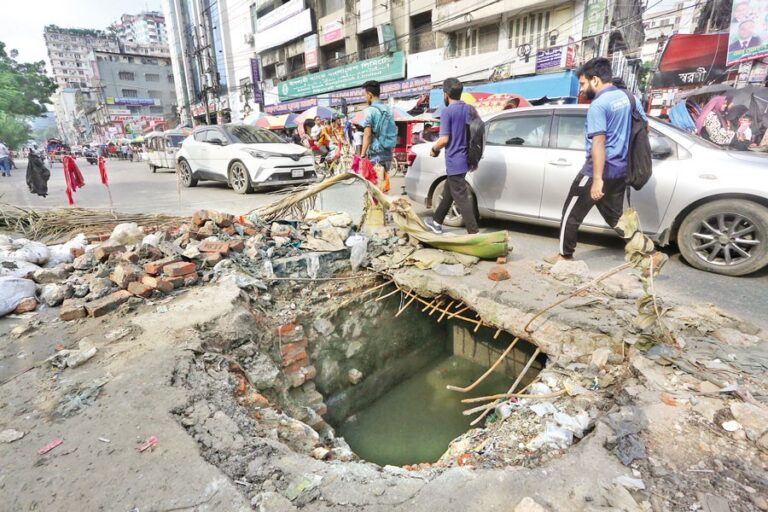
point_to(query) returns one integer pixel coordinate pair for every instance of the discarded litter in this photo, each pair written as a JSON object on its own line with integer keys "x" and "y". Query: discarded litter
{"x": 626, "y": 425}
{"x": 456, "y": 270}
{"x": 151, "y": 442}
{"x": 543, "y": 408}
{"x": 50, "y": 446}
{"x": 313, "y": 266}
{"x": 358, "y": 253}
{"x": 552, "y": 435}
{"x": 576, "y": 424}
{"x": 628, "y": 482}
{"x": 104, "y": 440}
{"x": 731, "y": 426}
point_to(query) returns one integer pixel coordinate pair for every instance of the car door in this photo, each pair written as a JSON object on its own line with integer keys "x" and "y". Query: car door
{"x": 216, "y": 152}
{"x": 197, "y": 150}
{"x": 510, "y": 177}
{"x": 567, "y": 155}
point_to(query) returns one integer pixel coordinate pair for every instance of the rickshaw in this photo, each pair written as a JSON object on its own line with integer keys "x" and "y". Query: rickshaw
{"x": 162, "y": 148}
{"x": 406, "y": 137}
{"x": 56, "y": 150}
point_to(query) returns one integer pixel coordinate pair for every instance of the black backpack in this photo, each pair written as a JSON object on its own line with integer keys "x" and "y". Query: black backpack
{"x": 475, "y": 138}
{"x": 639, "y": 158}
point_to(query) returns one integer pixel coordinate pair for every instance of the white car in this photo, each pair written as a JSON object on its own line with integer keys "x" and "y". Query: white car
{"x": 245, "y": 157}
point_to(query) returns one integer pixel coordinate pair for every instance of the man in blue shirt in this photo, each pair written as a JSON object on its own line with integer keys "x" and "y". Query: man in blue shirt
{"x": 453, "y": 137}
{"x": 602, "y": 180}
{"x": 374, "y": 129}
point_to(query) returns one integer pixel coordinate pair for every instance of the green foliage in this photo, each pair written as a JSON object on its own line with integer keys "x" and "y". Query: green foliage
{"x": 14, "y": 131}
{"x": 24, "y": 88}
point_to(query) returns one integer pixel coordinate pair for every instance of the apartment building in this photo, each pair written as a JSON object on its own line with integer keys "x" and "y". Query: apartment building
{"x": 661, "y": 24}
{"x": 143, "y": 34}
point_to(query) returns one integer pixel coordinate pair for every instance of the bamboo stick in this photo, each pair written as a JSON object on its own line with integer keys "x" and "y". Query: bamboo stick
{"x": 455, "y": 313}
{"x": 405, "y": 306}
{"x": 487, "y": 373}
{"x": 436, "y": 306}
{"x": 445, "y": 311}
{"x": 513, "y": 395}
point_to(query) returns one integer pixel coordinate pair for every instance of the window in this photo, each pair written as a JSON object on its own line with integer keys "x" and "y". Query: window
{"x": 528, "y": 131}
{"x": 330, "y": 6}
{"x": 201, "y": 135}
{"x": 134, "y": 109}
{"x": 155, "y": 110}
{"x": 465, "y": 42}
{"x": 251, "y": 134}
{"x": 296, "y": 63}
{"x": 369, "y": 44}
{"x": 530, "y": 29}
{"x": 570, "y": 133}
{"x": 129, "y": 93}
{"x": 155, "y": 94}
{"x": 151, "y": 77}
{"x": 170, "y": 79}
{"x": 333, "y": 54}
{"x": 215, "y": 136}
{"x": 422, "y": 38}
{"x": 126, "y": 75}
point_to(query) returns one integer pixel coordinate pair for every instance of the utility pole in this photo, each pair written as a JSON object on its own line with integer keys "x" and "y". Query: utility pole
{"x": 211, "y": 72}
{"x": 199, "y": 49}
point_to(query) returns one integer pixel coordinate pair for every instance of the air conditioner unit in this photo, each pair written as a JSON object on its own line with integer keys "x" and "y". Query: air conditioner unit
{"x": 248, "y": 38}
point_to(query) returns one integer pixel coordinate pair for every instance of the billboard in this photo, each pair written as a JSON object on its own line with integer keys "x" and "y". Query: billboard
{"x": 748, "y": 34}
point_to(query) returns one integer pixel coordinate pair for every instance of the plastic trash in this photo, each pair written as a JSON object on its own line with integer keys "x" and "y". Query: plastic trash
{"x": 731, "y": 426}
{"x": 450, "y": 270}
{"x": 630, "y": 483}
{"x": 359, "y": 250}
{"x": 313, "y": 266}
{"x": 152, "y": 239}
{"x": 22, "y": 249}
{"x": 539, "y": 388}
{"x": 127, "y": 233}
{"x": 269, "y": 272}
{"x": 62, "y": 253}
{"x": 553, "y": 435}
{"x": 12, "y": 291}
{"x": 543, "y": 408}
{"x": 85, "y": 351}
{"x": 576, "y": 424}
{"x": 626, "y": 425}
{"x": 504, "y": 410}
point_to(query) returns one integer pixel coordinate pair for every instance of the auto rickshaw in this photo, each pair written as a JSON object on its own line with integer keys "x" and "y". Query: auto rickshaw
{"x": 162, "y": 148}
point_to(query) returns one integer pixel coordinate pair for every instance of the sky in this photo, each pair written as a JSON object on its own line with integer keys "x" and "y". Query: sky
{"x": 22, "y": 21}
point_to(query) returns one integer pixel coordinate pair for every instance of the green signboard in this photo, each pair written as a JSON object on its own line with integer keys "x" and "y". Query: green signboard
{"x": 383, "y": 68}
{"x": 594, "y": 17}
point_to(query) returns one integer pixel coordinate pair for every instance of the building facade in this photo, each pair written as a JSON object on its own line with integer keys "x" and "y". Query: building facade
{"x": 660, "y": 25}
{"x": 143, "y": 34}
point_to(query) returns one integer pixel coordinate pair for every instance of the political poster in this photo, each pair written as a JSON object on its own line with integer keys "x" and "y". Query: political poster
{"x": 748, "y": 34}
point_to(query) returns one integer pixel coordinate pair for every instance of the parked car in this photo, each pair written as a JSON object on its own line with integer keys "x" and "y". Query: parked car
{"x": 245, "y": 157}
{"x": 162, "y": 148}
{"x": 713, "y": 202}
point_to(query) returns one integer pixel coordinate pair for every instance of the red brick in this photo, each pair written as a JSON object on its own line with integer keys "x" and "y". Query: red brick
{"x": 76, "y": 251}
{"x": 310, "y": 372}
{"x": 284, "y": 329}
{"x": 130, "y": 256}
{"x": 296, "y": 367}
{"x": 179, "y": 269}
{"x": 258, "y": 400}
{"x": 177, "y": 282}
{"x": 295, "y": 356}
{"x": 250, "y": 231}
{"x": 107, "y": 304}
{"x": 498, "y": 273}
{"x": 103, "y": 251}
{"x": 26, "y": 305}
{"x": 190, "y": 279}
{"x": 229, "y": 230}
{"x": 124, "y": 273}
{"x": 72, "y": 310}
{"x": 213, "y": 246}
{"x": 200, "y": 217}
{"x": 236, "y": 245}
{"x": 211, "y": 259}
{"x": 158, "y": 283}
{"x": 140, "y": 289}
{"x": 289, "y": 348}
{"x": 501, "y": 260}
{"x": 155, "y": 267}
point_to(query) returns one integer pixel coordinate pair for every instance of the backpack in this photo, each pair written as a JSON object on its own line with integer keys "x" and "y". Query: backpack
{"x": 385, "y": 131}
{"x": 475, "y": 138}
{"x": 639, "y": 158}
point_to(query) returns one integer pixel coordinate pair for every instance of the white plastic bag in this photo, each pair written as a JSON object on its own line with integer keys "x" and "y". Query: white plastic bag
{"x": 359, "y": 245}
{"x": 62, "y": 253}
{"x": 17, "y": 268}
{"x": 313, "y": 266}
{"x": 12, "y": 291}
{"x": 127, "y": 233}
{"x": 24, "y": 250}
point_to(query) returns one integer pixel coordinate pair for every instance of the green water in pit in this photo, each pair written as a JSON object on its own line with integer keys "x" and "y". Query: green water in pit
{"x": 417, "y": 419}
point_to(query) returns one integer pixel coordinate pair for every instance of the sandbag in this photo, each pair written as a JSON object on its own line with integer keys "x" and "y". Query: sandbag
{"x": 127, "y": 233}
{"x": 24, "y": 250}
{"x": 62, "y": 253}
{"x": 17, "y": 268}
{"x": 12, "y": 291}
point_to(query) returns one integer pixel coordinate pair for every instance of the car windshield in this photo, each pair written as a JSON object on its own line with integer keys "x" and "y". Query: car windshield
{"x": 691, "y": 137}
{"x": 252, "y": 135}
{"x": 175, "y": 141}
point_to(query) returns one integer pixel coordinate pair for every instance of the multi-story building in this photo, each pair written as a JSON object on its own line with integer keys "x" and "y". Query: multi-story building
{"x": 289, "y": 55}
{"x": 136, "y": 95}
{"x": 142, "y": 33}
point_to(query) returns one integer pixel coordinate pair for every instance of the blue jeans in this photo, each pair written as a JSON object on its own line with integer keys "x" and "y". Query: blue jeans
{"x": 5, "y": 165}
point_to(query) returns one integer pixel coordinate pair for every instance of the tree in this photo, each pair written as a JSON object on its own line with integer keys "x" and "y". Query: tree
{"x": 14, "y": 130}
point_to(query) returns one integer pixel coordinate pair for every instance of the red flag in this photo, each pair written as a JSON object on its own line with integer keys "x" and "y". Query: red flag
{"x": 103, "y": 172}
{"x": 72, "y": 176}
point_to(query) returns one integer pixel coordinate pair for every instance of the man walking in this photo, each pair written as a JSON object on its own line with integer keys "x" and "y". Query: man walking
{"x": 379, "y": 130}
{"x": 453, "y": 137}
{"x": 602, "y": 180}
{"x": 5, "y": 160}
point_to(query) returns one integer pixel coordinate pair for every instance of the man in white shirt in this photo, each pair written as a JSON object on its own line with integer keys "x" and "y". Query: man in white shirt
{"x": 5, "y": 160}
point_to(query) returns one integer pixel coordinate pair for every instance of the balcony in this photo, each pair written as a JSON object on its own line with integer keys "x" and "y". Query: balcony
{"x": 340, "y": 61}
{"x": 423, "y": 42}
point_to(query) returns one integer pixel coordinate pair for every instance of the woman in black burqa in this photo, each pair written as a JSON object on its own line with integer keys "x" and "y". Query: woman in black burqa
{"x": 37, "y": 174}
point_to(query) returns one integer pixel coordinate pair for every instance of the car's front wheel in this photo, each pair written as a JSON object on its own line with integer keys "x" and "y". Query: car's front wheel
{"x": 185, "y": 174}
{"x": 727, "y": 236}
{"x": 239, "y": 179}
{"x": 453, "y": 219}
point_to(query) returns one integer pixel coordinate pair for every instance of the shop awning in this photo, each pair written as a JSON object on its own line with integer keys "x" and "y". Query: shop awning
{"x": 691, "y": 51}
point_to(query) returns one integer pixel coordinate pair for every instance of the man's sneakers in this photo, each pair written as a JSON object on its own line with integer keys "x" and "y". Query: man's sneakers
{"x": 434, "y": 226}
{"x": 557, "y": 257}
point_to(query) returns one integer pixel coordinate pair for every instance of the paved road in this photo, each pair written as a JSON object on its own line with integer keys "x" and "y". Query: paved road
{"x": 135, "y": 189}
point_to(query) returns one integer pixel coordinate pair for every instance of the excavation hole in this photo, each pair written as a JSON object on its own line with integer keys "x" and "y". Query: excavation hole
{"x": 401, "y": 412}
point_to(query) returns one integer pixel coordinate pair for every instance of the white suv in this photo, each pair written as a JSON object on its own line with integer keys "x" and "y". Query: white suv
{"x": 245, "y": 157}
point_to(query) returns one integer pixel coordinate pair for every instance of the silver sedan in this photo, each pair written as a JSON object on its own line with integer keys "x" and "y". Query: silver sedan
{"x": 713, "y": 202}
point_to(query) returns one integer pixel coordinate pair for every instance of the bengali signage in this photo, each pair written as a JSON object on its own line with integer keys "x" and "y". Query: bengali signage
{"x": 548, "y": 59}
{"x": 686, "y": 77}
{"x": 594, "y": 17}
{"x": 282, "y": 13}
{"x": 140, "y": 102}
{"x": 285, "y": 31}
{"x": 258, "y": 95}
{"x": 291, "y": 106}
{"x": 383, "y": 68}
{"x": 119, "y": 112}
{"x": 310, "y": 51}
{"x": 332, "y": 32}
{"x": 748, "y": 34}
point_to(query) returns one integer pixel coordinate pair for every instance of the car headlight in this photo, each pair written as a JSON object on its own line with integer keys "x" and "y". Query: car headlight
{"x": 255, "y": 153}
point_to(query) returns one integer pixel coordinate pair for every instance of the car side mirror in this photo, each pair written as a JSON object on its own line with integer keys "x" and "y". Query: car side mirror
{"x": 660, "y": 148}
{"x": 217, "y": 142}
{"x": 515, "y": 141}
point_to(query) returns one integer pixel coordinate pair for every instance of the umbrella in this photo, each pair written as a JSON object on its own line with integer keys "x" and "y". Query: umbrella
{"x": 253, "y": 117}
{"x": 290, "y": 120}
{"x": 497, "y": 102}
{"x": 398, "y": 113}
{"x": 308, "y": 115}
{"x": 470, "y": 98}
{"x": 271, "y": 122}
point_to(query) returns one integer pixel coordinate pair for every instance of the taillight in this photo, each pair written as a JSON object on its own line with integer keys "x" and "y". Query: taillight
{"x": 411, "y": 157}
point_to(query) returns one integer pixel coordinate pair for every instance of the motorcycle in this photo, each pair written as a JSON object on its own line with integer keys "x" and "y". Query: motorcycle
{"x": 90, "y": 157}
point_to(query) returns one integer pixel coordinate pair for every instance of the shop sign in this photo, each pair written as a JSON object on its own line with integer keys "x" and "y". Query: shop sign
{"x": 310, "y": 51}
{"x": 119, "y": 112}
{"x": 282, "y": 13}
{"x": 288, "y": 30}
{"x": 383, "y": 68}
{"x": 759, "y": 72}
{"x": 291, "y": 106}
{"x": 748, "y": 33}
{"x": 570, "y": 53}
{"x": 258, "y": 95}
{"x": 547, "y": 59}
{"x": 594, "y": 17}
{"x": 399, "y": 89}
{"x": 131, "y": 101}
{"x": 332, "y": 32}
{"x": 686, "y": 77}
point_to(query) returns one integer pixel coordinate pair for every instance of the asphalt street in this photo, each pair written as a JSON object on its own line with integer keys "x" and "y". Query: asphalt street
{"x": 135, "y": 189}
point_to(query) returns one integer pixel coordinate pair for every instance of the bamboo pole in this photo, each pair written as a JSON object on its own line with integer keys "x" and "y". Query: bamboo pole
{"x": 513, "y": 395}
{"x": 405, "y": 306}
{"x": 445, "y": 311}
{"x": 487, "y": 373}
{"x": 455, "y": 313}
